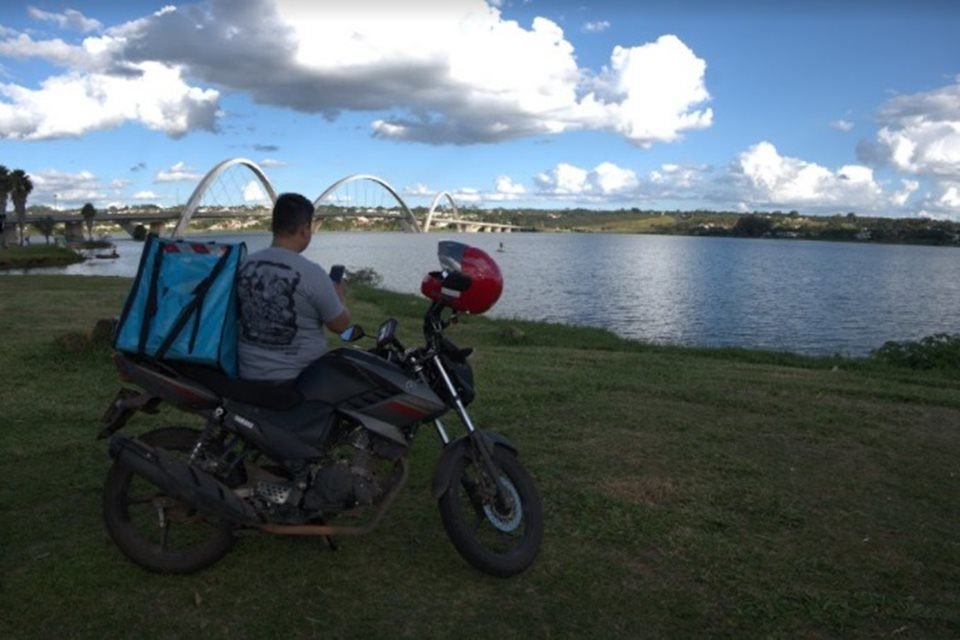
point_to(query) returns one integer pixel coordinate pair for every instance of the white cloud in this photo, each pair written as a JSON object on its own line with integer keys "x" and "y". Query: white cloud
{"x": 505, "y": 189}
{"x": 253, "y": 193}
{"x": 325, "y": 58}
{"x": 920, "y": 134}
{"x": 65, "y": 189}
{"x": 950, "y": 196}
{"x": 418, "y": 189}
{"x": 69, "y": 19}
{"x": 74, "y": 104}
{"x": 841, "y": 125}
{"x": 943, "y": 202}
{"x": 650, "y": 93}
{"x": 179, "y": 172}
{"x": 596, "y": 27}
{"x": 93, "y": 56}
{"x": 899, "y": 198}
{"x": 612, "y": 179}
{"x": 765, "y": 178}
{"x": 563, "y": 179}
{"x": 467, "y": 195}
{"x": 271, "y": 162}
{"x": 506, "y": 185}
{"x": 604, "y": 181}
{"x": 677, "y": 181}
{"x": 145, "y": 195}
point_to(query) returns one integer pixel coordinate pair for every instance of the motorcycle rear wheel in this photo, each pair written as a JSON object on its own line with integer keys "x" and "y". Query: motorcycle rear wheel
{"x": 502, "y": 536}
{"x": 156, "y": 531}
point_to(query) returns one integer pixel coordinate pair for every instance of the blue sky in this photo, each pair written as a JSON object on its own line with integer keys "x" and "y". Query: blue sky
{"x": 719, "y": 105}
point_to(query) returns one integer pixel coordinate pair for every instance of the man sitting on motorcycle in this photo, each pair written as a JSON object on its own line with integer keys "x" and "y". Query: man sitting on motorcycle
{"x": 285, "y": 300}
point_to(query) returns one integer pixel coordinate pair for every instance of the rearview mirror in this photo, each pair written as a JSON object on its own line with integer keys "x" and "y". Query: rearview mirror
{"x": 352, "y": 333}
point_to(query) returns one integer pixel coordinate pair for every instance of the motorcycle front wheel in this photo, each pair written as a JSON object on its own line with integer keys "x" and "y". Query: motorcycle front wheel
{"x": 154, "y": 530}
{"x": 496, "y": 532}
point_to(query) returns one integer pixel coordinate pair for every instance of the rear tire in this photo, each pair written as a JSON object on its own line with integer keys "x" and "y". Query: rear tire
{"x": 502, "y": 537}
{"x": 157, "y": 532}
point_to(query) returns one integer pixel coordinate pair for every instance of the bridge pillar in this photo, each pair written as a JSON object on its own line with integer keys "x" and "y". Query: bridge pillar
{"x": 74, "y": 231}
{"x": 157, "y": 227}
{"x": 127, "y": 226}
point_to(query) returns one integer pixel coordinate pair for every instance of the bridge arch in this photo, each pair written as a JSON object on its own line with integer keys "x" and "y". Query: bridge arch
{"x": 409, "y": 220}
{"x": 433, "y": 207}
{"x": 208, "y": 179}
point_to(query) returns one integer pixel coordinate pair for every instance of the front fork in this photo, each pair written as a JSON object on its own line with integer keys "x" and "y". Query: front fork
{"x": 479, "y": 444}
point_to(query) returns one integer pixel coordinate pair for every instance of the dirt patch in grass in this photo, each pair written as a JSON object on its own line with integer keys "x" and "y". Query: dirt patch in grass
{"x": 650, "y": 490}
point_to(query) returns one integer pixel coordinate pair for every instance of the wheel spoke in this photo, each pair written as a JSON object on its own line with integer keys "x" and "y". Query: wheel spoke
{"x": 140, "y": 516}
{"x": 141, "y": 500}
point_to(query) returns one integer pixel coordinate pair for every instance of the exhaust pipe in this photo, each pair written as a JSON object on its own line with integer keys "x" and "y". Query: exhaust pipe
{"x": 179, "y": 480}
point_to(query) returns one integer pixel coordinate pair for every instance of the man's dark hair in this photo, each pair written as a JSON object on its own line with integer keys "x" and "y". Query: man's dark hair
{"x": 291, "y": 212}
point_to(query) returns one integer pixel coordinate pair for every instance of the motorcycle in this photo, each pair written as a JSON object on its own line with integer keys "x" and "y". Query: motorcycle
{"x": 323, "y": 456}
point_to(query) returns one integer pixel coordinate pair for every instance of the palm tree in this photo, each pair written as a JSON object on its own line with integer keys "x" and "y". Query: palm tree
{"x": 4, "y": 194}
{"x": 89, "y": 213}
{"x": 20, "y": 188}
{"x": 46, "y": 226}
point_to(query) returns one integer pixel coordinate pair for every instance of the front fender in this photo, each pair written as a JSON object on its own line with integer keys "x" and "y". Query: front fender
{"x": 443, "y": 474}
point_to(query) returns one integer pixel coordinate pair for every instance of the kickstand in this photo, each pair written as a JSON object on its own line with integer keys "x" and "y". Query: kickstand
{"x": 330, "y": 543}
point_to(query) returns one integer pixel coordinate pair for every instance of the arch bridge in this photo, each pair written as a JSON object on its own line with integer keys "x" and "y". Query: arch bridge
{"x": 400, "y": 211}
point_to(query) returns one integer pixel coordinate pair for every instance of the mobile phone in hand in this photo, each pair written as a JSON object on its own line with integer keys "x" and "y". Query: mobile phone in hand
{"x": 336, "y": 272}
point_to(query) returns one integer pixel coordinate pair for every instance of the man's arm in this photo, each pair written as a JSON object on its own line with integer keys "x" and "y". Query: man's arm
{"x": 339, "y": 323}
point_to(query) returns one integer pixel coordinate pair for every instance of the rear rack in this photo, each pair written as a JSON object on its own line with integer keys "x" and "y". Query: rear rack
{"x": 164, "y": 384}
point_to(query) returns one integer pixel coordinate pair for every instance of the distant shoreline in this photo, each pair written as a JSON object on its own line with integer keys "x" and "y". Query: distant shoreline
{"x": 777, "y": 225}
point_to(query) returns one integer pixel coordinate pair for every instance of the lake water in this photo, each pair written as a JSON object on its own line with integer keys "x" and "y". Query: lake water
{"x": 806, "y": 297}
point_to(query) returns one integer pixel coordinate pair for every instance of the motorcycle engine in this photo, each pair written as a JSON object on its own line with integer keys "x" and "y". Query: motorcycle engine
{"x": 354, "y": 475}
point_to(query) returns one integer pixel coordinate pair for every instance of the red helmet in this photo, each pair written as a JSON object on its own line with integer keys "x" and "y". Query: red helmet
{"x": 470, "y": 281}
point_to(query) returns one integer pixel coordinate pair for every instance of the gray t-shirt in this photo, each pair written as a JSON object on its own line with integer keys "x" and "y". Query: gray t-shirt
{"x": 284, "y": 299}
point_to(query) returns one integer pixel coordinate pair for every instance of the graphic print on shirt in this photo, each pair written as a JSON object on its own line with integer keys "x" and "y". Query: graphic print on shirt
{"x": 266, "y": 290}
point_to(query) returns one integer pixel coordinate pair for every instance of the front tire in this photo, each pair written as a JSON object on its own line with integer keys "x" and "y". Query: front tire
{"x": 157, "y": 532}
{"x": 499, "y": 535}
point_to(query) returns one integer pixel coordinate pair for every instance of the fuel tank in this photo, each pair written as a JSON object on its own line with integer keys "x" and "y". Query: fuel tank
{"x": 359, "y": 382}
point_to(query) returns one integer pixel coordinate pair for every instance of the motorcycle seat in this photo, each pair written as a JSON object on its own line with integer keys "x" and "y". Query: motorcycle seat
{"x": 276, "y": 396}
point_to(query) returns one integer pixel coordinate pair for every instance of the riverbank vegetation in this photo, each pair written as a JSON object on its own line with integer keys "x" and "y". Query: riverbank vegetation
{"x": 30, "y": 257}
{"x": 687, "y": 493}
{"x": 848, "y": 227}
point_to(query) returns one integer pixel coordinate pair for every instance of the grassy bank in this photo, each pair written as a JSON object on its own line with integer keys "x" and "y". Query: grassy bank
{"x": 688, "y": 493}
{"x": 30, "y": 257}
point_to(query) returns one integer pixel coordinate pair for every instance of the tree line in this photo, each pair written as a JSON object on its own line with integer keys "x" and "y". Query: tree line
{"x": 842, "y": 226}
{"x": 16, "y": 186}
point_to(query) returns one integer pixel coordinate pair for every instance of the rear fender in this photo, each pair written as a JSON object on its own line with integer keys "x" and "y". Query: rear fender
{"x": 165, "y": 383}
{"x": 443, "y": 475}
{"x": 126, "y": 403}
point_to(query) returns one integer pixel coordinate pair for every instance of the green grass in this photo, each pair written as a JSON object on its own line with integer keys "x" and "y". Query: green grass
{"x": 688, "y": 493}
{"x": 14, "y": 257}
